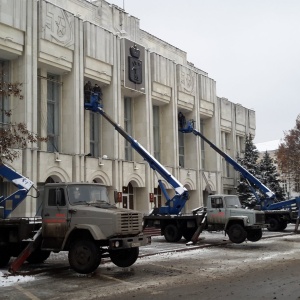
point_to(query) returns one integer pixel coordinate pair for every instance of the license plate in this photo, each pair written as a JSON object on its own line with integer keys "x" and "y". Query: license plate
{"x": 135, "y": 244}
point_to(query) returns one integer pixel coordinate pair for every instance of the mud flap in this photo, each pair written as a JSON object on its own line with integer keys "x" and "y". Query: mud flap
{"x": 201, "y": 226}
{"x": 17, "y": 263}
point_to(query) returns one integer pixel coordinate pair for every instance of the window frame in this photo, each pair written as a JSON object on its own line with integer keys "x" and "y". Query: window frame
{"x": 181, "y": 148}
{"x": 94, "y": 134}
{"x": 156, "y": 132}
{"x": 128, "y": 126}
{"x": 4, "y": 100}
{"x": 53, "y": 101}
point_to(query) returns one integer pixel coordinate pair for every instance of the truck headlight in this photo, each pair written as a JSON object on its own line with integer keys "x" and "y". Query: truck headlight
{"x": 117, "y": 244}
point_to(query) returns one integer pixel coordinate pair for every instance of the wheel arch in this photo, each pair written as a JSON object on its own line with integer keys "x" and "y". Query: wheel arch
{"x": 90, "y": 232}
{"x": 231, "y": 221}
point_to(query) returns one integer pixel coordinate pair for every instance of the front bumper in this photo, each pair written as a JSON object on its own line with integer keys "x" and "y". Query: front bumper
{"x": 258, "y": 226}
{"x": 129, "y": 242}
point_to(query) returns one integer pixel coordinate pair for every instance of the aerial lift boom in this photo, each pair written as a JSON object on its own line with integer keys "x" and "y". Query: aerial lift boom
{"x": 173, "y": 205}
{"x": 189, "y": 128}
{"x": 23, "y": 184}
{"x": 268, "y": 203}
{"x": 171, "y": 221}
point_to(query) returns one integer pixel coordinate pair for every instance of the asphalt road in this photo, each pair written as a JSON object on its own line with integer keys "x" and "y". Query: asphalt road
{"x": 213, "y": 269}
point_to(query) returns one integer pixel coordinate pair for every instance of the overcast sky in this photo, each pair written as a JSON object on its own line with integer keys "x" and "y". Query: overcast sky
{"x": 251, "y": 48}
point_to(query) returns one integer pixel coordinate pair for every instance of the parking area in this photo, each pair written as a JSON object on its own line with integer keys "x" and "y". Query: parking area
{"x": 167, "y": 271}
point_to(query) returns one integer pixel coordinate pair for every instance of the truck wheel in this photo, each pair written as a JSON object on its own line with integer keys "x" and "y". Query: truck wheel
{"x": 188, "y": 234}
{"x": 283, "y": 225}
{"x": 38, "y": 256}
{"x": 254, "y": 235}
{"x": 124, "y": 257}
{"x": 4, "y": 258}
{"x": 172, "y": 233}
{"x": 274, "y": 224}
{"x": 84, "y": 256}
{"x": 237, "y": 234}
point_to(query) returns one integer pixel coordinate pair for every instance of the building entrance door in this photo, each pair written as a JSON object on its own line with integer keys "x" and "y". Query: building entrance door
{"x": 157, "y": 197}
{"x": 127, "y": 199}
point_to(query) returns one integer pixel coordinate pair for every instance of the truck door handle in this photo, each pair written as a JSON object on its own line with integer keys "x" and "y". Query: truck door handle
{"x": 72, "y": 211}
{"x": 46, "y": 215}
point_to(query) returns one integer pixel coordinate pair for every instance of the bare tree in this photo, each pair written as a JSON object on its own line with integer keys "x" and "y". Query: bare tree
{"x": 13, "y": 136}
{"x": 288, "y": 154}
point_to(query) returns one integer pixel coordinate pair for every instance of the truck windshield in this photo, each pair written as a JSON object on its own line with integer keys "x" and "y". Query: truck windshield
{"x": 87, "y": 194}
{"x": 232, "y": 201}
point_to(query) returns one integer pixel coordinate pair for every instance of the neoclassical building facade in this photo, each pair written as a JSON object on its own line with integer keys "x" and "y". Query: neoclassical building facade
{"x": 55, "y": 47}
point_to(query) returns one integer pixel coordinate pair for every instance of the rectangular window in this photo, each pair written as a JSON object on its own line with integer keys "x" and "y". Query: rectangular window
{"x": 94, "y": 134}
{"x": 225, "y": 140}
{"x": 53, "y": 92}
{"x": 223, "y": 167}
{"x": 240, "y": 145}
{"x": 128, "y": 126}
{"x": 53, "y": 197}
{"x": 202, "y": 146}
{"x": 216, "y": 202}
{"x": 227, "y": 169}
{"x": 284, "y": 185}
{"x": 156, "y": 134}
{"x": 4, "y": 101}
{"x": 181, "y": 149}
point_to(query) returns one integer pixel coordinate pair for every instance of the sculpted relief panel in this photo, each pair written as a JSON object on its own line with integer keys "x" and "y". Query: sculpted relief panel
{"x": 57, "y": 25}
{"x": 186, "y": 80}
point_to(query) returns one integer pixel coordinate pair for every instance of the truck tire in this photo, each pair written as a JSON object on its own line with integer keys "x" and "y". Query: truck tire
{"x": 254, "y": 235}
{"x": 172, "y": 233}
{"x": 4, "y": 257}
{"x": 38, "y": 256}
{"x": 84, "y": 256}
{"x": 283, "y": 225}
{"x": 124, "y": 258}
{"x": 237, "y": 234}
{"x": 274, "y": 224}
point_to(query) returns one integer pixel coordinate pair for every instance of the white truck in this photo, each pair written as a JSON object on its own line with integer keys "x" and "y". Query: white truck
{"x": 223, "y": 213}
{"x": 277, "y": 213}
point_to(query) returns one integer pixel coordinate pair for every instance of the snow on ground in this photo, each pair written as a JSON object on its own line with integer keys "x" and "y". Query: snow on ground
{"x": 6, "y": 279}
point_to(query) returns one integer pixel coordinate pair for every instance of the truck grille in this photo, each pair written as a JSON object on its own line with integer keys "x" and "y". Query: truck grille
{"x": 260, "y": 218}
{"x": 130, "y": 223}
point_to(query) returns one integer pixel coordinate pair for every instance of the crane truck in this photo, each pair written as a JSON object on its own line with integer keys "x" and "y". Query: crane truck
{"x": 223, "y": 212}
{"x": 74, "y": 217}
{"x": 277, "y": 213}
